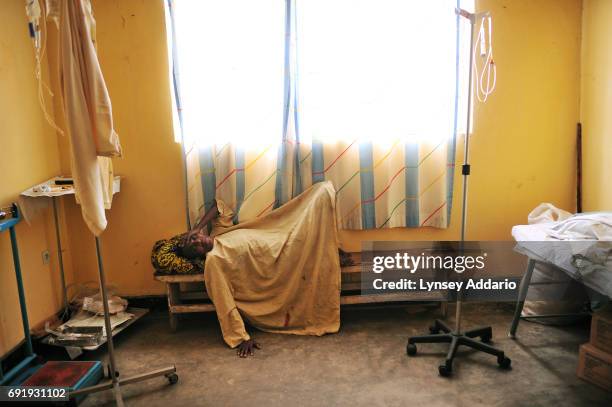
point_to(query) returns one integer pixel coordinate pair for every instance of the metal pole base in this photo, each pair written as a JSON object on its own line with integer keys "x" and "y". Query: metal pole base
{"x": 455, "y": 340}
{"x": 169, "y": 372}
{"x": 115, "y": 383}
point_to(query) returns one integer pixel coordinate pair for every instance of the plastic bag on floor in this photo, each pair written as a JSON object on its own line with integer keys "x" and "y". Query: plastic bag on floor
{"x": 94, "y": 304}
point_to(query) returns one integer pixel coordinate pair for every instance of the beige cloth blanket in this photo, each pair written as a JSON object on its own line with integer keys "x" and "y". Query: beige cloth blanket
{"x": 88, "y": 112}
{"x": 281, "y": 271}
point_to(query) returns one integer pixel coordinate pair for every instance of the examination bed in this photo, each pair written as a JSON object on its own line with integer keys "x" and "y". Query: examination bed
{"x": 578, "y": 245}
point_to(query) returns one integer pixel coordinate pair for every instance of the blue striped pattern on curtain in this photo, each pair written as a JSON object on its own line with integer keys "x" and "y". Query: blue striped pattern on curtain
{"x": 412, "y": 184}
{"x": 208, "y": 177}
{"x": 281, "y": 191}
{"x": 240, "y": 181}
{"x": 368, "y": 210}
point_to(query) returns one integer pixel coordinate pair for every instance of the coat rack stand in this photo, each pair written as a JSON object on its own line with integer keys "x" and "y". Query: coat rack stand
{"x": 115, "y": 382}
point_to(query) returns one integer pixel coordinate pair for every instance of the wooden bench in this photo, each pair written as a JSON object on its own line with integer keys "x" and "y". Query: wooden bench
{"x": 178, "y": 301}
{"x": 181, "y": 301}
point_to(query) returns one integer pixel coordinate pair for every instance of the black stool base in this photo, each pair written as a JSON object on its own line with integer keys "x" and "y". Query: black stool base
{"x": 455, "y": 340}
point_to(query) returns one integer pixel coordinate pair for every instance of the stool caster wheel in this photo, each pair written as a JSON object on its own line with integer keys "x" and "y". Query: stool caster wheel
{"x": 504, "y": 363}
{"x": 445, "y": 371}
{"x": 172, "y": 378}
{"x": 411, "y": 349}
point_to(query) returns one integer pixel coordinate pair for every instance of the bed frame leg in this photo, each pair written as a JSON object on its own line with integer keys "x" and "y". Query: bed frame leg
{"x": 524, "y": 287}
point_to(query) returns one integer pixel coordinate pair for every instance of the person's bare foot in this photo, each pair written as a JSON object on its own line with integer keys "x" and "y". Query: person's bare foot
{"x": 247, "y": 348}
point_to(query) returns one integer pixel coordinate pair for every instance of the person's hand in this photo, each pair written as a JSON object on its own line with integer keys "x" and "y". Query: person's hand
{"x": 247, "y": 348}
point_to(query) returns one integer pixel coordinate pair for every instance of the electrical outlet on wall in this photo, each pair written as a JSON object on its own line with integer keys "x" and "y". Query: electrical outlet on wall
{"x": 46, "y": 257}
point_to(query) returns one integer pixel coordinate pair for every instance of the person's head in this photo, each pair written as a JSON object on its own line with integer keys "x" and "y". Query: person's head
{"x": 196, "y": 245}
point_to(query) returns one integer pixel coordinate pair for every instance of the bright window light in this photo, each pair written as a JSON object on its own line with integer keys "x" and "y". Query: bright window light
{"x": 381, "y": 70}
{"x": 231, "y": 58}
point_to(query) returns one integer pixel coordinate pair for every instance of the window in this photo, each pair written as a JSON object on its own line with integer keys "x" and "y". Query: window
{"x": 367, "y": 69}
{"x": 280, "y": 94}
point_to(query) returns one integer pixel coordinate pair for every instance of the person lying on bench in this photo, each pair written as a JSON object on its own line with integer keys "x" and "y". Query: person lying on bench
{"x": 197, "y": 242}
{"x": 281, "y": 271}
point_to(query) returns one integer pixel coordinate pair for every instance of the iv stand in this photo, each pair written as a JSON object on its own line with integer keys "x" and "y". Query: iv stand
{"x": 455, "y": 337}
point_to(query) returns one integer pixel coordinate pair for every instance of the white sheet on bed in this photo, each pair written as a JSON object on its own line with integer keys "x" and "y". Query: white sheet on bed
{"x": 580, "y": 245}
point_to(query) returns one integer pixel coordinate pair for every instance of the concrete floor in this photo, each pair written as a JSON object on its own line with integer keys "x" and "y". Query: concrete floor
{"x": 364, "y": 365}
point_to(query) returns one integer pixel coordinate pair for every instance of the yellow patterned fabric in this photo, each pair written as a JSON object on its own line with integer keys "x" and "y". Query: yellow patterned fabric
{"x": 166, "y": 259}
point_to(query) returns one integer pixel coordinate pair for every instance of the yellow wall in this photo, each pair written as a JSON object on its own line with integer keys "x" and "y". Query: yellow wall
{"x": 28, "y": 155}
{"x": 523, "y": 149}
{"x": 596, "y": 104}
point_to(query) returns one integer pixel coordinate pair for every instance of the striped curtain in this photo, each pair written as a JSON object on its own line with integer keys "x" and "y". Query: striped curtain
{"x": 380, "y": 184}
{"x": 244, "y": 179}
